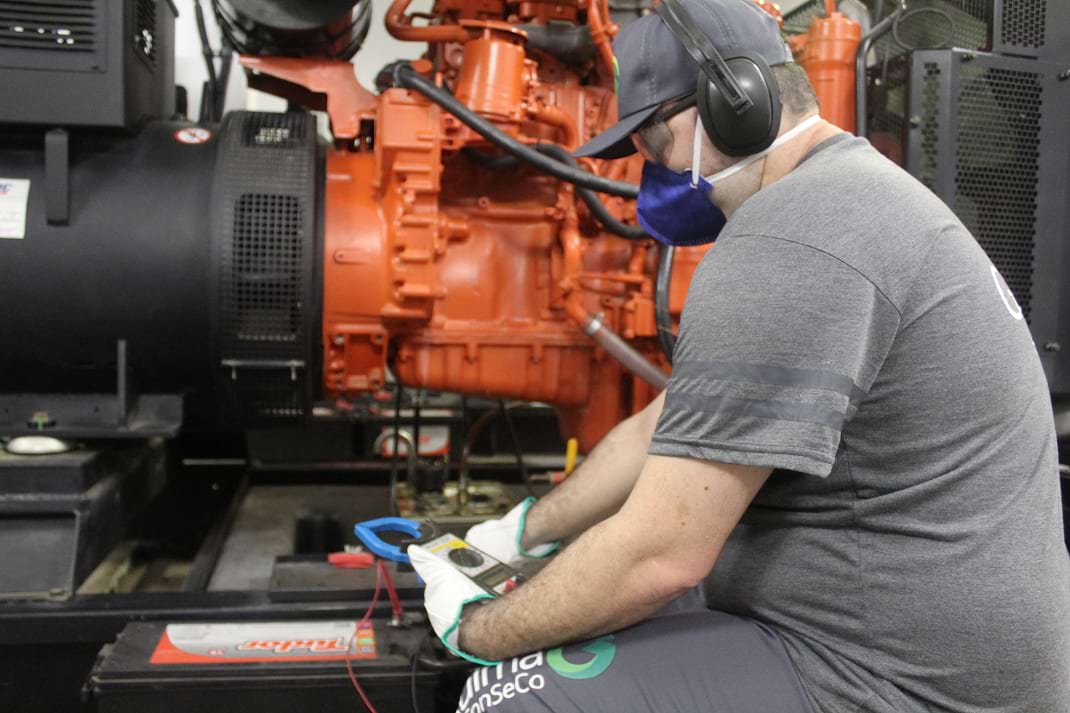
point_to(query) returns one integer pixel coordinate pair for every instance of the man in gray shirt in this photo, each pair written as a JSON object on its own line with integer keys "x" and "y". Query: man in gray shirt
{"x": 855, "y": 453}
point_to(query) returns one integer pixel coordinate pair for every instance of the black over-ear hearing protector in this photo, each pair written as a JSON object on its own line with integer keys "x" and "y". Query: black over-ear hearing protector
{"x": 737, "y": 98}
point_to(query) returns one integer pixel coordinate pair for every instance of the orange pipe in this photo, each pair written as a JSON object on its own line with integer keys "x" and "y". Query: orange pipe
{"x": 829, "y": 60}
{"x": 400, "y": 26}
{"x": 598, "y": 35}
{"x": 558, "y": 119}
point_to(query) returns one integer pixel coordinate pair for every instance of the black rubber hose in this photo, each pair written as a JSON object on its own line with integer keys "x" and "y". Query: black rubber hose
{"x": 206, "y": 52}
{"x": 598, "y": 208}
{"x": 662, "y": 317}
{"x": 405, "y": 76}
{"x": 225, "y": 61}
{"x": 589, "y": 197}
{"x": 393, "y": 506}
{"x": 517, "y": 453}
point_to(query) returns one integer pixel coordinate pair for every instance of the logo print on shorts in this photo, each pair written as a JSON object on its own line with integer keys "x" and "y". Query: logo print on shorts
{"x": 603, "y": 649}
{"x": 1006, "y": 295}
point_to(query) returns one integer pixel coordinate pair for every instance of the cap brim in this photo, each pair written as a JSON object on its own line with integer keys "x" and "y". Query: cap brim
{"x": 616, "y": 141}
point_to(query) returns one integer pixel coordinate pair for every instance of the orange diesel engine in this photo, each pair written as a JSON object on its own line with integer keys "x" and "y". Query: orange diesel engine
{"x": 441, "y": 232}
{"x": 460, "y": 266}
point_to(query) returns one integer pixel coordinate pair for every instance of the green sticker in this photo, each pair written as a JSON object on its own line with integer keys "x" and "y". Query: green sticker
{"x": 603, "y": 649}
{"x": 616, "y": 75}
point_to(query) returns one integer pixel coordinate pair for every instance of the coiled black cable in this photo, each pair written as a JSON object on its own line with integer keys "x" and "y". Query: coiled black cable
{"x": 903, "y": 17}
{"x": 405, "y": 76}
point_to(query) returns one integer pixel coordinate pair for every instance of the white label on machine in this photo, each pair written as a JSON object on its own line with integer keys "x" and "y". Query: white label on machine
{"x": 265, "y": 641}
{"x": 14, "y": 194}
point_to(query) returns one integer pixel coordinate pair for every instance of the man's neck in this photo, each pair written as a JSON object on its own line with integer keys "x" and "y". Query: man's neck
{"x": 783, "y": 161}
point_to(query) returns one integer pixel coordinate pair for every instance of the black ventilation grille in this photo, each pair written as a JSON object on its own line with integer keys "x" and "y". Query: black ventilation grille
{"x": 274, "y": 131}
{"x": 66, "y": 26}
{"x": 265, "y": 281}
{"x": 1023, "y": 23}
{"x": 930, "y": 125}
{"x": 997, "y": 169}
{"x": 145, "y": 31}
{"x": 268, "y": 321}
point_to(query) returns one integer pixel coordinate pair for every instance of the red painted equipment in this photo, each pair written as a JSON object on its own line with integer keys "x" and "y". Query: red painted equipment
{"x": 473, "y": 278}
{"x": 827, "y": 53}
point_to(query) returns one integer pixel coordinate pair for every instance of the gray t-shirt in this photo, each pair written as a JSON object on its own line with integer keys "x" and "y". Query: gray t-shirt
{"x": 847, "y": 331}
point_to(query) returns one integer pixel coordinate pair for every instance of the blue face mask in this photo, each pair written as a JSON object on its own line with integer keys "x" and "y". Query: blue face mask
{"x": 675, "y": 208}
{"x": 674, "y": 211}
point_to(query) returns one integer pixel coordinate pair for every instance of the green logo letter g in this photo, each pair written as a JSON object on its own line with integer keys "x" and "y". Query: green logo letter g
{"x": 603, "y": 649}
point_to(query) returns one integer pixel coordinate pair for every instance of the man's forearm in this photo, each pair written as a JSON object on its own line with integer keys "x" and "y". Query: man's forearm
{"x": 621, "y": 585}
{"x": 599, "y": 487}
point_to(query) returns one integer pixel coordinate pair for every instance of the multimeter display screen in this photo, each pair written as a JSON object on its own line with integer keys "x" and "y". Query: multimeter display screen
{"x": 493, "y": 578}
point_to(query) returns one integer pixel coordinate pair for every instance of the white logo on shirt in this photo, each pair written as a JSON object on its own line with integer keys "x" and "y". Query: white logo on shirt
{"x": 1005, "y": 294}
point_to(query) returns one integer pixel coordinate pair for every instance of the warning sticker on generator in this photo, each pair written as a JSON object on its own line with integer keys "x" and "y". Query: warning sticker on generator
{"x": 258, "y": 642}
{"x": 14, "y": 194}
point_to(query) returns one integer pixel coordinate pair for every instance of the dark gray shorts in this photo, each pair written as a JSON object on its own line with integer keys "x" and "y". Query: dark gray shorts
{"x": 694, "y": 661}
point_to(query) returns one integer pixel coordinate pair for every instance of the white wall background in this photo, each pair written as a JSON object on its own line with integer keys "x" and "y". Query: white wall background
{"x": 379, "y": 49}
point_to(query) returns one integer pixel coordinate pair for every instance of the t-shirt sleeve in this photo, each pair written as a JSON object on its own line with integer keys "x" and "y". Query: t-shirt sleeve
{"x": 779, "y": 344}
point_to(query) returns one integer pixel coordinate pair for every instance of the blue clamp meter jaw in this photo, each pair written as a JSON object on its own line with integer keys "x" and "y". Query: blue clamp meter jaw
{"x": 368, "y": 533}
{"x": 492, "y": 576}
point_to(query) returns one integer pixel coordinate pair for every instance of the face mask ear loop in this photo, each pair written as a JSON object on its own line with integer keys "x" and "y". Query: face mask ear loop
{"x": 696, "y": 151}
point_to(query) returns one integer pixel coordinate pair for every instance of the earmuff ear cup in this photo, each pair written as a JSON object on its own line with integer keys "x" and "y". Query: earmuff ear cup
{"x": 753, "y": 131}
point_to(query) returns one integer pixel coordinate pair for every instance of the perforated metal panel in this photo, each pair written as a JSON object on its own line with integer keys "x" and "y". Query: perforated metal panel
{"x": 1023, "y": 23}
{"x": 987, "y": 134}
{"x": 267, "y": 213}
{"x": 145, "y": 31}
{"x": 930, "y": 124}
{"x": 1032, "y": 28}
{"x": 997, "y": 168}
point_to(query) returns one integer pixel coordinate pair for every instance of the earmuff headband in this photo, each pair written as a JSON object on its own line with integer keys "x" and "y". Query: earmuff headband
{"x": 706, "y": 56}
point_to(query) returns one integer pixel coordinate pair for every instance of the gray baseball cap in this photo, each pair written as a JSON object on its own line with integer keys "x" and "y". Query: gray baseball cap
{"x": 652, "y": 66}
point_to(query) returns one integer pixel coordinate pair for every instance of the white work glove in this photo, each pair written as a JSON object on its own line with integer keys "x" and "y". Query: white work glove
{"x": 501, "y": 538}
{"x": 446, "y": 594}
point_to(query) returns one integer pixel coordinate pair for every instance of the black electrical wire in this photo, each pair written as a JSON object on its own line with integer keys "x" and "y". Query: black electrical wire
{"x": 524, "y": 475}
{"x": 598, "y": 209}
{"x": 412, "y": 673}
{"x": 416, "y": 427}
{"x": 589, "y": 197}
{"x": 405, "y": 76}
{"x": 394, "y": 461}
{"x": 662, "y": 317}
{"x": 226, "y": 61}
{"x": 207, "y": 104}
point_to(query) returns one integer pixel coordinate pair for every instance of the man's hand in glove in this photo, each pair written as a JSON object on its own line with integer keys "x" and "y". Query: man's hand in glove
{"x": 446, "y": 594}
{"x": 501, "y": 539}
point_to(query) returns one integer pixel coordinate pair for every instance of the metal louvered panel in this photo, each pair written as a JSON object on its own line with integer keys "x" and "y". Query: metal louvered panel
{"x": 55, "y": 26}
{"x": 987, "y": 134}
